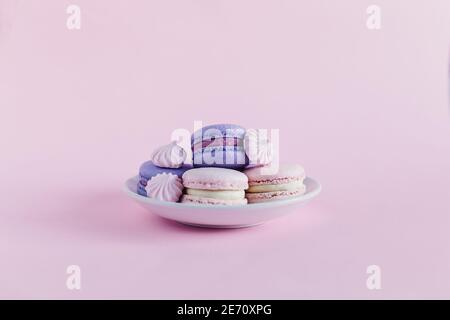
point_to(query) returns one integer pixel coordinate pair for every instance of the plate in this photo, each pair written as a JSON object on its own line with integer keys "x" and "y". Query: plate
{"x": 214, "y": 216}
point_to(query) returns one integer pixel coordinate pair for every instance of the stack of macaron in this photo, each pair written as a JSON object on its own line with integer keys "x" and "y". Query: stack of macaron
{"x": 230, "y": 167}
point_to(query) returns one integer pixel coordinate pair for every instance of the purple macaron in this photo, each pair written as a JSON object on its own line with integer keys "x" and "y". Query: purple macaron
{"x": 219, "y": 145}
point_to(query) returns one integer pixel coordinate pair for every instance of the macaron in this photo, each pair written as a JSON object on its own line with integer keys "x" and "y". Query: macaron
{"x": 219, "y": 145}
{"x": 215, "y": 186}
{"x": 148, "y": 170}
{"x": 284, "y": 184}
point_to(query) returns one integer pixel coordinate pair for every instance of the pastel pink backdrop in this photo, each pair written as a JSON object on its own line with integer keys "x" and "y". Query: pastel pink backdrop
{"x": 364, "y": 111}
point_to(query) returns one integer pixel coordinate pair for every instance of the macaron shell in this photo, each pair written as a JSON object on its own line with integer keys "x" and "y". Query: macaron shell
{"x": 274, "y": 196}
{"x": 286, "y": 173}
{"x": 149, "y": 170}
{"x": 215, "y": 179}
{"x": 186, "y": 198}
{"x": 218, "y": 130}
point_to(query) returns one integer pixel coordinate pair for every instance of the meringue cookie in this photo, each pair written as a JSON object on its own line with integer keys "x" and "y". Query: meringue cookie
{"x": 164, "y": 187}
{"x": 169, "y": 156}
{"x": 259, "y": 149}
{"x": 265, "y": 153}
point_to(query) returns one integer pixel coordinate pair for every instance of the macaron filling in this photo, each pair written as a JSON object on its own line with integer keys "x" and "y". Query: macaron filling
{"x": 220, "y": 142}
{"x": 217, "y": 194}
{"x": 187, "y": 198}
{"x": 291, "y": 186}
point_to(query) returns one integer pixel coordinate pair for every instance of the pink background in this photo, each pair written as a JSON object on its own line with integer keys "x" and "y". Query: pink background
{"x": 364, "y": 111}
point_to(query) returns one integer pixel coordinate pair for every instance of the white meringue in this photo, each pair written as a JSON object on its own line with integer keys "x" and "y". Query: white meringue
{"x": 265, "y": 153}
{"x": 169, "y": 156}
{"x": 258, "y": 148}
{"x": 164, "y": 187}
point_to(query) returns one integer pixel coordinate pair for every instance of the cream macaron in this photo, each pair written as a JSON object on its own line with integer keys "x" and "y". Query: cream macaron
{"x": 216, "y": 186}
{"x": 265, "y": 186}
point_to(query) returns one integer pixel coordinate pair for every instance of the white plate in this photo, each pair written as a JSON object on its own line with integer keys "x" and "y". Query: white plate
{"x": 214, "y": 216}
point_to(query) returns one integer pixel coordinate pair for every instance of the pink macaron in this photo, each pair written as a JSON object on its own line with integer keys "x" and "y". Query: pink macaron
{"x": 215, "y": 186}
{"x": 266, "y": 186}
